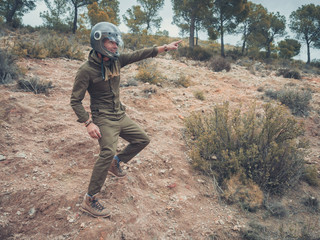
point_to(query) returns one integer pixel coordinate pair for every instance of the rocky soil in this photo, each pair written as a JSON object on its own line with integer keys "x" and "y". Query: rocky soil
{"x": 46, "y": 158}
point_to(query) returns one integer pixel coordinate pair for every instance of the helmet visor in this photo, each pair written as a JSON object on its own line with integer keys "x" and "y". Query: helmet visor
{"x": 114, "y": 37}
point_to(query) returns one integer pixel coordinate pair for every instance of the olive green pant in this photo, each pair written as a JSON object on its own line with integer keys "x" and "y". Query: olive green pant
{"x": 110, "y": 132}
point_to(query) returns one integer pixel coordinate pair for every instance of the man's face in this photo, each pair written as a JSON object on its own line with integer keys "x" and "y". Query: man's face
{"x": 110, "y": 45}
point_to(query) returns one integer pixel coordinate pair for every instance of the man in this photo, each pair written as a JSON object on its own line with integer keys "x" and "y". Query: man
{"x": 100, "y": 76}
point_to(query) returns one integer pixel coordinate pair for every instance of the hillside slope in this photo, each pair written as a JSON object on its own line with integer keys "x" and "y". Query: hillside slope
{"x": 47, "y": 157}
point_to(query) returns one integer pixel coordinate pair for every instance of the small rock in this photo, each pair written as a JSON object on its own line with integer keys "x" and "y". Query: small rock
{"x": 221, "y": 222}
{"x": 2, "y": 157}
{"x": 21, "y": 155}
{"x": 201, "y": 181}
{"x": 32, "y": 212}
{"x": 82, "y": 225}
{"x": 18, "y": 213}
{"x": 46, "y": 150}
{"x": 172, "y": 185}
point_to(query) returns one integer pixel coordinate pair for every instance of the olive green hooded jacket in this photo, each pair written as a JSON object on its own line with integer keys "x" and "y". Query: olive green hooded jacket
{"x": 104, "y": 93}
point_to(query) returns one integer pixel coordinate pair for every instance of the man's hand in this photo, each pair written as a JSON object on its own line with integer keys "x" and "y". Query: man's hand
{"x": 174, "y": 45}
{"x": 93, "y": 131}
{"x": 168, "y": 47}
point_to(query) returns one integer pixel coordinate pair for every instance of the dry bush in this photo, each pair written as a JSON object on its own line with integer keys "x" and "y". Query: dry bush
{"x": 148, "y": 73}
{"x": 196, "y": 53}
{"x": 244, "y": 192}
{"x": 311, "y": 176}
{"x": 297, "y": 100}
{"x": 276, "y": 209}
{"x": 287, "y": 73}
{"x": 48, "y": 45}
{"x": 219, "y": 64}
{"x": 9, "y": 71}
{"x": 35, "y": 85}
{"x": 184, "y": 81}
{"x": 265, "y": 147}
{"x": 254, "y": 232}
{"x": 199, "y": 95}
{"x": 312, "y": 203}
{"x": 135, "y": 41}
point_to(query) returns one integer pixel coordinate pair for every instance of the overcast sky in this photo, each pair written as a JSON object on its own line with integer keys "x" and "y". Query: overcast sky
{"x": 285, "y": 7}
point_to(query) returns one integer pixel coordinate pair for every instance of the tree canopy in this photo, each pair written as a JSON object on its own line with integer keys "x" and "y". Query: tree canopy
{"x": 150, "y": 9}
{"x": 305, "y": 22}
{"x": 104, "y": 11}
{"x": 190, "y": 13}
{"x": 289, "y": 48}
{"x": 226, "y": 16}
{"x": 13, "y": 10}
{"x": 54, "y": 17}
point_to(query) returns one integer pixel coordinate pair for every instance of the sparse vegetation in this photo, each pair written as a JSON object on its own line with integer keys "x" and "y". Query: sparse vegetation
{"x": 9, "y": 71}
{"x": 148, "y": 73}
{"x": 287, "y": 73}
{"x": 48, "y": 45}
{"x": 244, "y": 192}
{"x": 199, "y": 95}
{"x": 219, "y": 64}
{"x": 311, "y": 176}
{"x": 276, "y": 209}
{"x": 263, "y": 147}
{"x": 34, "y": 85}
{"x": 196, "y": 53}
{"x": 183, "y": 81}
{"x": 297, "y": 100}
{"x": 312, "y": 202}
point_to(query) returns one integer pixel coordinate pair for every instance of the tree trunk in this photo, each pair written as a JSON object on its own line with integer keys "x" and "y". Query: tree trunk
{"x": 244, "y": 40}
{"x": 268, "y": 54}
{"x": 75, "y": 19}
{"x": 308, "y": 52}
{"x": 9, "y": 16}
{"x": 191, "y": 39}
{"x": 197, "y": 37}
{"x": 222, "y": 37}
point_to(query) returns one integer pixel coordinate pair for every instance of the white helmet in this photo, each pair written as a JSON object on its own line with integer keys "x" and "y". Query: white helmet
{"x": 102, "y": 31}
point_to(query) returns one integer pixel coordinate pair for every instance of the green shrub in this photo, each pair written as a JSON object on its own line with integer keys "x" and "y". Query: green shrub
{"x": 277, "y": 209}
{"x": 148, "y": 73}
{"x": 311, "y": 176}
{"x": 35, "y": 85}
{"x": 135, "y": 41}
{"x": 48, "y": 45}
{"x": 253, "y": 232}
{"x": 297, "y": 100}
{"x": 62, "y": 47}
{"x": 263, "y": 147}
{"x": 287, "y": 73}
{"x": 315, "y": 63}
{"x": 196, "y": 53}
{"x": 9, "y": 71}
{"x": 29, "y": 48}
{"x": 234, "y": 54}
{"x": 219, "y": 64}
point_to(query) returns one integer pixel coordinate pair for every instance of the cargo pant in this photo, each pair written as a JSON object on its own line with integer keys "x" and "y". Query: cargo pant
{"x": 110, "y": 132}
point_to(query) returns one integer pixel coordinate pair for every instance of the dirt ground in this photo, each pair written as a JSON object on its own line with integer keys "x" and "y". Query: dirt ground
{"x": 46, "y": 158}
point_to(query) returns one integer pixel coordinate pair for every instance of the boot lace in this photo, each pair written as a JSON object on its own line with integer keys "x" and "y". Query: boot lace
{"x": 118, "y": 167}
{"x": 95, "y": 204}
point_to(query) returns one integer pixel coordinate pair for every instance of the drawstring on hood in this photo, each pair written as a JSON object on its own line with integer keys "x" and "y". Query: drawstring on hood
{"x": 103, "y": 71}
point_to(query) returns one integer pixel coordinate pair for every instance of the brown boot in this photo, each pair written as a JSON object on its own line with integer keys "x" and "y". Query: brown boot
{"x": 115, "y": 169}
{"x": 92, "y": 206}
